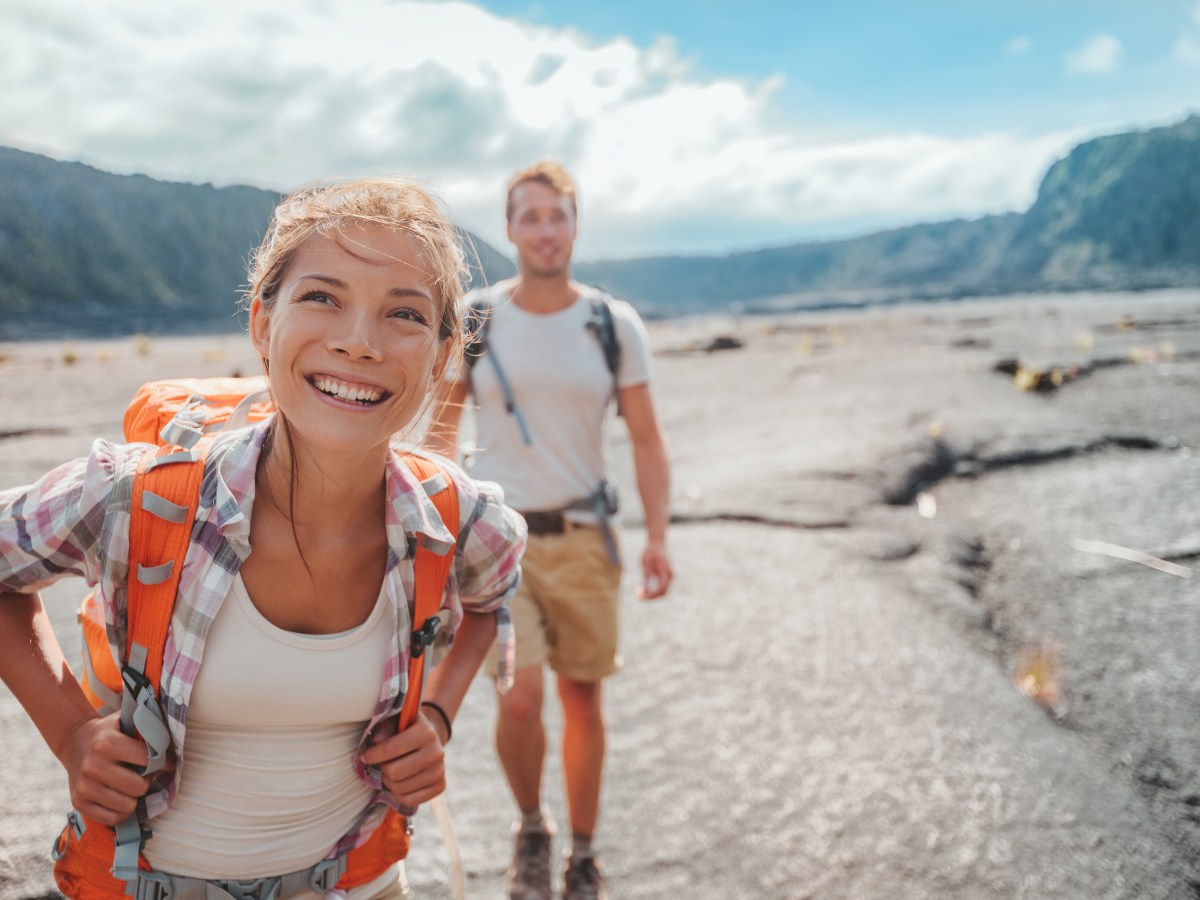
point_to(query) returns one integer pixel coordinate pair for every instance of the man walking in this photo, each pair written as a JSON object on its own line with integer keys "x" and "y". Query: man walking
{"x": 553, "y": 353}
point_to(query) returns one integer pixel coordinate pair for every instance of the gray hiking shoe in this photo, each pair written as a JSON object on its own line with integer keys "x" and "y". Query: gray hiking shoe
{"x": 583, "y": 881}
{"x": 529, "y": 875}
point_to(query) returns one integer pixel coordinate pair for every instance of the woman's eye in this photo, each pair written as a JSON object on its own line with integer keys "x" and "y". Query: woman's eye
{"x": 317, "y": 297}
{"x": 411, "y": 315}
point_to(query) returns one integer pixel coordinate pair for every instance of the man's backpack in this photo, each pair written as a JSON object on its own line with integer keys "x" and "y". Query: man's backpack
{"x": 477, "y": 321}
{"x": 181, "y": 417}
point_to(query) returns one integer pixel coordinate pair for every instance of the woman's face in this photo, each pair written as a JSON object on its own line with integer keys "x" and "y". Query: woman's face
{"x": 352, "y": 338}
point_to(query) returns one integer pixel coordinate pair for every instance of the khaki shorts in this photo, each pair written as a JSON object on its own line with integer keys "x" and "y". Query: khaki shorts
{"x": 565, "y": 610}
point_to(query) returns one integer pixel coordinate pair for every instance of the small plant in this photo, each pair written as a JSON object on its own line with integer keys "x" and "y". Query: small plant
{"x": 213, "y": 355}
{"x": 104, "y": 356}
{"x": 141, "y": 344}
{"x": 69, "y": 355}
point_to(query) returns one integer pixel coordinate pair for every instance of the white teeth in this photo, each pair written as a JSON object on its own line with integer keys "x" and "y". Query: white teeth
{"x": 343, "y": 391}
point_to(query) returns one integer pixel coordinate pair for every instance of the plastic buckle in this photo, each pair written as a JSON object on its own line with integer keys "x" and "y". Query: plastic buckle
{"x": 326, "y": 874}
{"x": 152, "y": 886}
{"x": 253, "y": 888}
{"x": 425, "y": 635}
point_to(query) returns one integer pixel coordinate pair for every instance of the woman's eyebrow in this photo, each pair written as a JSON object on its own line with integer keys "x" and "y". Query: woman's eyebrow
{"x": 338, "y": 283}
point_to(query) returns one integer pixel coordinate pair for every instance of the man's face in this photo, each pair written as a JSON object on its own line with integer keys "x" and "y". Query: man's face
{"x": 542, "y": 228}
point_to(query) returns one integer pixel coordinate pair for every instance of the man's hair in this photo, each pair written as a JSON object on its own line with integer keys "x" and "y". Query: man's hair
{"x": 546, "y": 172}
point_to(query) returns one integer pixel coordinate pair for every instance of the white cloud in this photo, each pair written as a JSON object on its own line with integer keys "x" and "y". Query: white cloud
{"x": 1098, "y": 55}
{"x": 1187, "y": 47}
{"x": 235, "y": 91}
{"x": 1018, "y": 45}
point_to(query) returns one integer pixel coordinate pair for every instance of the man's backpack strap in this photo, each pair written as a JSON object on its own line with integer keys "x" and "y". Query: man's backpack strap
{"x": 602, "y": 325}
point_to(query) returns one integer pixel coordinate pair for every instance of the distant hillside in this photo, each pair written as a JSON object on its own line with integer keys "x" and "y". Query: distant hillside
{"x": 87, "y": 252}
{"x": 1118, "y": 213}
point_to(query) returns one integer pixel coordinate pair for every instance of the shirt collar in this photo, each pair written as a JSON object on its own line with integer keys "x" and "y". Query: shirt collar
{"x": 410, "y": 512}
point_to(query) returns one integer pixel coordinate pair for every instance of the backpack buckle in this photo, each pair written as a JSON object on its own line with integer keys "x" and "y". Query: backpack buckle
{"x": 424, "y": 636}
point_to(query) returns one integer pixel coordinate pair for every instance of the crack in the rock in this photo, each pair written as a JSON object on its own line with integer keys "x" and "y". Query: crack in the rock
{"x": 756, "y": 519}
{"x": 5, "y": 434}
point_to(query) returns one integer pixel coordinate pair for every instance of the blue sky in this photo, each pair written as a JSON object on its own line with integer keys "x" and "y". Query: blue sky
{"x": 693, "y": 127}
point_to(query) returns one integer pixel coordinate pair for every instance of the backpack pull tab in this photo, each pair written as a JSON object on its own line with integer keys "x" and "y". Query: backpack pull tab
{"x": 424, "y": 636}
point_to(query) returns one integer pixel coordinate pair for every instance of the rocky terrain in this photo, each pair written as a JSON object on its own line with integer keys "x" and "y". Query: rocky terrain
{"x": 936, "y": 629}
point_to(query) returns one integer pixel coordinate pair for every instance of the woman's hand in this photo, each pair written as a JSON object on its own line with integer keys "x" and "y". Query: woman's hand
{"x": 412, "y": 763}
{"x": 101, "y": 763}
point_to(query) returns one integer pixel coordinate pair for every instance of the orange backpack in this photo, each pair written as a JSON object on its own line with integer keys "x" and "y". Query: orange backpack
{"x": 94, "y": 861}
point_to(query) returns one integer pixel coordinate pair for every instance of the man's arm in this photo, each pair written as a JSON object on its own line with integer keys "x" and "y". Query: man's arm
{"x": 653, "y": 470}
{"x": 442, "y": 436}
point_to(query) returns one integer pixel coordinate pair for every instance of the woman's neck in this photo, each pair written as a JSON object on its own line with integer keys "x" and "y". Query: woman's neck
{"x": 339, "y": 493}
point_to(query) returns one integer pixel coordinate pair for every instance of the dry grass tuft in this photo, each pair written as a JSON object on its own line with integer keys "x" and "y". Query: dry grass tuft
{"x": 141, "y": 344}
{"x": 69, "y": 355}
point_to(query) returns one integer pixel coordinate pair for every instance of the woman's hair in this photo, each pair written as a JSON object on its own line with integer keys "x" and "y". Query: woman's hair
{"x": 330, "y": 208}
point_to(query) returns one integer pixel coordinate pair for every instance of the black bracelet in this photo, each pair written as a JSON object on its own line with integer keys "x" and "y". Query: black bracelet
{"x": 445, "y": 718}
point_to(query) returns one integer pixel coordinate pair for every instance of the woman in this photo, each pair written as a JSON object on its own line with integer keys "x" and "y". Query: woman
{"x": 291, "y": 629}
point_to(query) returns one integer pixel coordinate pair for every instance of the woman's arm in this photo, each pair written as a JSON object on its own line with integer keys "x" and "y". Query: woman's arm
{"x": 92, "y": 749}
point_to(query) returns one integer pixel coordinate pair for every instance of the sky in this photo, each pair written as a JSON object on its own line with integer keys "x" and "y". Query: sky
{"x": 692, "y": 126}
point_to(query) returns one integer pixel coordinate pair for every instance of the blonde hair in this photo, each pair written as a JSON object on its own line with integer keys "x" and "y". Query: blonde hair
{"x": 546, "y": 172}
{"x": 331, "y": 207}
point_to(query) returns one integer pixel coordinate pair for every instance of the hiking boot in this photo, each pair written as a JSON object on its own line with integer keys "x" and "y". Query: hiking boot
{"x": 583, "y": 881}
{"x": 529, "y": 874}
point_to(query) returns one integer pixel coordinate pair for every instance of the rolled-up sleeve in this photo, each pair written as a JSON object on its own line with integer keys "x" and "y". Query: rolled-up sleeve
{"x": 54, "y": 527}
{"x": 491, "y": 541}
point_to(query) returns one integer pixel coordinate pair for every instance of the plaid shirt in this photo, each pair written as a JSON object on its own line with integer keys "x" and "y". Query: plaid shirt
{"x": 75, "y": 521}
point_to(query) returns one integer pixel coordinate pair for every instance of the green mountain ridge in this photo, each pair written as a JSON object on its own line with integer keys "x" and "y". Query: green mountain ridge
{"x": 85, "y": 252}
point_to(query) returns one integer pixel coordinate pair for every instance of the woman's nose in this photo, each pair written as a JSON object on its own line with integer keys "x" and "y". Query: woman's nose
{"x": 355, "y": 337}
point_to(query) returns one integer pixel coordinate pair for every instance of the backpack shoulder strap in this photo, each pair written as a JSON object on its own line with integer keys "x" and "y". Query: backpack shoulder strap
{"x": 476, "y": 322}
{"x": 605, "y": 329}
{"x": 431, "y": 572}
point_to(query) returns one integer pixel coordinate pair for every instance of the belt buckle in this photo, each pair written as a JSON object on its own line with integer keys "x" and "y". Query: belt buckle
{"x": 253, "y": 888}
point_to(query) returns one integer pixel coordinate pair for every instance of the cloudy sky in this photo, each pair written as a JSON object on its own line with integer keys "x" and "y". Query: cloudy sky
{"x": 694, "y": 126}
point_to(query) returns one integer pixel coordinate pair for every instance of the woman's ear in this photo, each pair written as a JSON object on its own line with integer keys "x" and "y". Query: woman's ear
{"x": 260, "y": 328}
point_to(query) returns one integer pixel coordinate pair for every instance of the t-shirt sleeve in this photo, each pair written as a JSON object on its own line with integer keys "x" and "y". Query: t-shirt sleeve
{"x": 636, "y": 364}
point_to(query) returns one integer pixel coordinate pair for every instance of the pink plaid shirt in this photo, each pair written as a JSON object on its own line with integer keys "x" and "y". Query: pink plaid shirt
{"x": 75, "y": 521}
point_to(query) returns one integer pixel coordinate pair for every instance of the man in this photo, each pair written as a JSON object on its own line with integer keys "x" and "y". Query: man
{"x": 542, "y": 439}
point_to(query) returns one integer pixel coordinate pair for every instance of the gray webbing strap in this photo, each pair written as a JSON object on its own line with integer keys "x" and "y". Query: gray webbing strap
{"x": 598, "y": 502}
{"x": 111, "y": 699}
{"x": 179, "y": 456}
{"x": 510, "y": 404}
{"x": 318, "y": 879}
{"x": 164, "y": 508}
{"x": 155, "y": 574}
{"x": 241, "y": 412}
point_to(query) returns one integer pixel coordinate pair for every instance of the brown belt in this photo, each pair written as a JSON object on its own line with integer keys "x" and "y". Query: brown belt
{"x": 550, "y": 522}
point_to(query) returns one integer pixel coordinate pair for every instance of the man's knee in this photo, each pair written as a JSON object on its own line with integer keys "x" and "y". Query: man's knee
{"x": 581, "y": 700}
{"x": 521, "y": 705}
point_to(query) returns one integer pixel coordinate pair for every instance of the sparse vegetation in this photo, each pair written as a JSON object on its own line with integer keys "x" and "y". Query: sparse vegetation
{"x": 1039, "y": 676}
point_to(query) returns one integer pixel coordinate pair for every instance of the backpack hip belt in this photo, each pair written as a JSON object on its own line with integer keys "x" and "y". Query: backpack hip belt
{"x": 602, "y": 502}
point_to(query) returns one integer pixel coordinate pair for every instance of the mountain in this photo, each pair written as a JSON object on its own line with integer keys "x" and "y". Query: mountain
{"x": 1120, "y": 212}
{"x": 87, "y": 252}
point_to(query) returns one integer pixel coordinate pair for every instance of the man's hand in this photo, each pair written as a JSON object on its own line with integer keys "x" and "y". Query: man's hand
{"x": 412, "y": 763}
{"x": 656, "y": 572}
{"x": 101, "y": 763}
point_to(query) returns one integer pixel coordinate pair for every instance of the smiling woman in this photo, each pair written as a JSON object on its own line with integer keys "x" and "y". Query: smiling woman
{"x": 287, "y": 660}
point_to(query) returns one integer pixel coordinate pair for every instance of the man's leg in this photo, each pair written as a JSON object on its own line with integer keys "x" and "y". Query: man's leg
{"x": 521, "y": 746}
{"x": 521, "y": 737}
{"x": 583, "y": 765}
{"x": 582, "y": 751}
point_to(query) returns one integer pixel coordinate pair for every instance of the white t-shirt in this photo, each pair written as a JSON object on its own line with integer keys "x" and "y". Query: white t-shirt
{"x": 562, "y": 386}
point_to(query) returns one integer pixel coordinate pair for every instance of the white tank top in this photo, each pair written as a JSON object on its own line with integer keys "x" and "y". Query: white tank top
{"x": 274, "y": 720}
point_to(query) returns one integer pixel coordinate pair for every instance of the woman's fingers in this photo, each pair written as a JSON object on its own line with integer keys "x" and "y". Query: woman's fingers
{"x": 412, "y": 763}
{"x": 102, "y": 770}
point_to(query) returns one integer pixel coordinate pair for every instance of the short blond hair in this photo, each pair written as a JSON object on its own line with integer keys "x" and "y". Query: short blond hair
{"x": 546, "y": 172}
